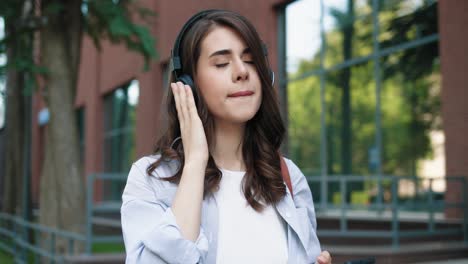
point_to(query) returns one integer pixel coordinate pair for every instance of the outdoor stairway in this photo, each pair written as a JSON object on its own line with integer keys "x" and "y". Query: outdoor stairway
{"x": 411, "y": 250}
{"x": 423, "y": 248}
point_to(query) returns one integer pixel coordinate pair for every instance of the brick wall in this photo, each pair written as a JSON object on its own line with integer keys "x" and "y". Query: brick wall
{"x": 453, "y": 29}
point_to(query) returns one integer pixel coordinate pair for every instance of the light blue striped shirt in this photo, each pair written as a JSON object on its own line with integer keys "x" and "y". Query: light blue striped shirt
{"x": 151, "y": 234}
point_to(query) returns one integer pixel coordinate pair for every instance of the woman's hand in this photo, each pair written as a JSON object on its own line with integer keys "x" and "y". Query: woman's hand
{"x": 187, "y": 202}
{"x": 324, "y": 258}
{"x": 191, "y": 126}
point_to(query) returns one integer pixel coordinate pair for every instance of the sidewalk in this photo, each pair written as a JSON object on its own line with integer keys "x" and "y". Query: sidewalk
{"x": 452, "y": 261}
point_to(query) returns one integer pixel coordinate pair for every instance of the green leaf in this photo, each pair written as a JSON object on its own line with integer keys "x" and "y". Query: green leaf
{"x": 119, "y": 27}
{"x": 147, "y": 40}
{"x": 54, "y": 8}
{"x": 29, "y": 86}
{"x": 107, "y": 19}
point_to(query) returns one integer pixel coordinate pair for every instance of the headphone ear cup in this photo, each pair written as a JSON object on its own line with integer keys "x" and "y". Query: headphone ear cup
{"x": 186, "y": 79}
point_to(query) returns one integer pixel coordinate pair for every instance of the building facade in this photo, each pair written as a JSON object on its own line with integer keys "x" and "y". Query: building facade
{"x": 364, "y": 87}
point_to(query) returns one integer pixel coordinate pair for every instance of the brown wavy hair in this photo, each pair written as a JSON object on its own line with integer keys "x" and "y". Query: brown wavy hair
{"x": 263, "y": 183}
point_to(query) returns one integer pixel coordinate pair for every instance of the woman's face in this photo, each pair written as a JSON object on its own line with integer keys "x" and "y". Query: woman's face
{"x": 227, "y": 77}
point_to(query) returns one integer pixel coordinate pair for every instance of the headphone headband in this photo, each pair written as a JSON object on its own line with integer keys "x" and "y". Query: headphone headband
{"x": 176, "y": 63}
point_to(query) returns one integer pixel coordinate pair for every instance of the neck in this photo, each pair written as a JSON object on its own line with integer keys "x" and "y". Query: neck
{"x": 227, "y": 149}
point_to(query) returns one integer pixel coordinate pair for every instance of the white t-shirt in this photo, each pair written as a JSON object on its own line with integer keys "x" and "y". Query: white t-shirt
{"x": 246, "y": 236}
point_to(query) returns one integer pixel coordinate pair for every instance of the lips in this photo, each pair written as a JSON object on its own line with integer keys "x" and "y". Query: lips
{"x": 241, "y": 93}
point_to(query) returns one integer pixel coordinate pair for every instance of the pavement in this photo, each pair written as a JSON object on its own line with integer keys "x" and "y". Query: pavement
{"x": 451, "y": 261}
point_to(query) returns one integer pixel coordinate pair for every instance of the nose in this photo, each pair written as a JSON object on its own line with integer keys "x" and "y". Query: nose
{"x": 240, "y": 71}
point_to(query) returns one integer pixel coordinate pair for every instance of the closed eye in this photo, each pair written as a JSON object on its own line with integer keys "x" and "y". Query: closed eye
{"x": 222, "y": 65}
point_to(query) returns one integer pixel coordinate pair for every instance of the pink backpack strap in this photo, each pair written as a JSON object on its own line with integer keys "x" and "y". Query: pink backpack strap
{"x": 285, "y": 174}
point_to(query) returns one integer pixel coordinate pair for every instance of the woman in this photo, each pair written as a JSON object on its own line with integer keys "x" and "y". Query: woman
{"x": 214, "y": 192}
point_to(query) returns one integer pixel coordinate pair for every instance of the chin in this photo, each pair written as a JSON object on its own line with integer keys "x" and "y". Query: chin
{"x": 242, "y": 117}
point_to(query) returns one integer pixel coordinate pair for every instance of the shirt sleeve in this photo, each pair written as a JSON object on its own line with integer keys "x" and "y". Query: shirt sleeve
{"x": 149, "y": 227}
{"x": 305, "y": 207}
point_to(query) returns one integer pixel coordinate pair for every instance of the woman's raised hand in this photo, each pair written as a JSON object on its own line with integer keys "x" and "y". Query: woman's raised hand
{"x": 191, "y": 126}
{"x": 187, "y": 202}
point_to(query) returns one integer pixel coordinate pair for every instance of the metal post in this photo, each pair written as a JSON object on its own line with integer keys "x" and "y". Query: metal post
{"x": 431, "y": 207}
{"x": 70, "y": 246}
{"x": 378, "y": 125}
{"x": 416, "y": 190}
{"x": 89, "y": 213}
{"x": 52, "y": 247}
{"x": 36, "y": 240}
{"x": 395, "y": 222}
{"x": 23, "y": 238}
{"x": 465, "y": 206}
{"x": 13, "y": 239}
{"x": 323, "y": 127}
{"x": 344, "y": 204}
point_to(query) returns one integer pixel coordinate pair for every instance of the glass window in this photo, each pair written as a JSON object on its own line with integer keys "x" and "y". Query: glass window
{"x": 304, "y": 124}
{"x": 406, "y": 20}
{"x": 400, "y": 134}
{"x": 119, "y": 132}
{"x": 302, "y": 34}
{"x": 348, "y": 30}
{"x": 411, "y": 118}
{"x": 350, "y": 120}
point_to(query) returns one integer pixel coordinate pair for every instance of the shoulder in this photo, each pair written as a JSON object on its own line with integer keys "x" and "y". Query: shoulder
{"x": 144, "y": 187}
{"x": 294, "y": 172}
{"x": 165, "y": 169}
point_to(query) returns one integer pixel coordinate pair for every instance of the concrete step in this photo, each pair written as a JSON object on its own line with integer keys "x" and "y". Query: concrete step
{"x": 372, "y": 229}
{"x": 450, "y": 261}
{"x": 422, "y": 253}
{"x": 114, "y": 258}
{"x": 414, "y": 253}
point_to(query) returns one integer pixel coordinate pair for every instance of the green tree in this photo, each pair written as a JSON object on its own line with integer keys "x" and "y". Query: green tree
{"x": 345, "y": 21}
{"x": 410, "y": 95}
{"x": 415, "y": 71}
{"x": 61, "y": 25}
{"x": 19, "y": 81}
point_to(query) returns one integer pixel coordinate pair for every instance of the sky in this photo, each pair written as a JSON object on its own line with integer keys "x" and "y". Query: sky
{"x": 303, "y": 29}
{"x": 303, "y": 26}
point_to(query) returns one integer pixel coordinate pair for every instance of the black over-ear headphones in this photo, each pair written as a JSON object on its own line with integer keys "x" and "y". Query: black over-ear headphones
{"x": 176, "y": 62}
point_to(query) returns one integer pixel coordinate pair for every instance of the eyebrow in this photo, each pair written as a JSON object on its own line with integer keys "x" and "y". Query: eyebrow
{"x": 228, "y": 52}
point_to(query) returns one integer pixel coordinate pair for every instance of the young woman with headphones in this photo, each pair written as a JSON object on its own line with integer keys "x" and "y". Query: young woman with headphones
{"x": 214, "y": 191}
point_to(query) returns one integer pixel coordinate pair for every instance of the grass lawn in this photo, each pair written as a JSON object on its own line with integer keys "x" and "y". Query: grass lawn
{"x": 5, "y": 258}
{"x": 98, "y": 248}
{"x": 107, "y": 248}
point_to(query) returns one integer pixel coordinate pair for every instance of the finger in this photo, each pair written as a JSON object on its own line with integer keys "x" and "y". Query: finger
{"x": 183, "y": 102}
{"x": 321, "y": 260}
{"x": 324, "y": 258}
{"x": 192, "y": 108}
{"x": 175, "y": 91}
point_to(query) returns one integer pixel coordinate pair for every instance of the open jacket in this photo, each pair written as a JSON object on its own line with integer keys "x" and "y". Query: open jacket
{"x": 151, "y": 233}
